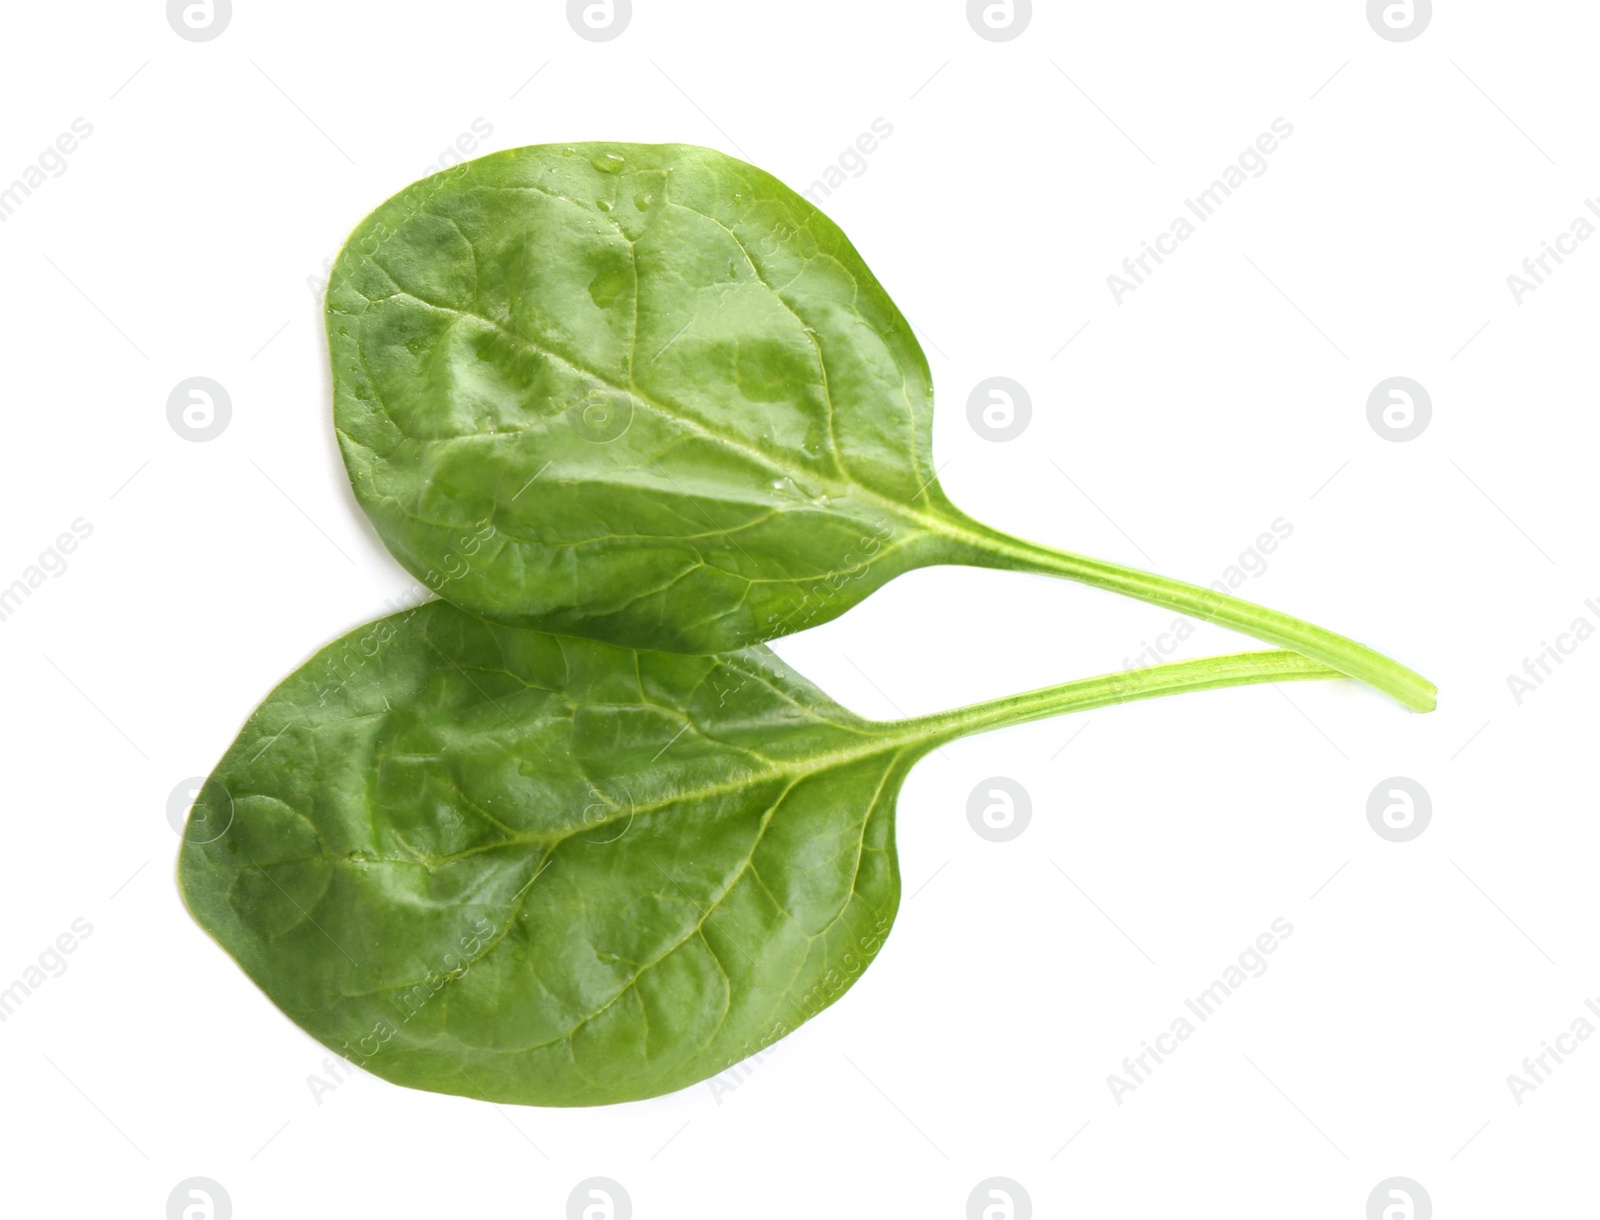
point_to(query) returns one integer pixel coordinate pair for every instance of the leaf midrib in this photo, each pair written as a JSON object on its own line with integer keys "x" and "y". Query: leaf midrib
{"x": 937, "y": 525}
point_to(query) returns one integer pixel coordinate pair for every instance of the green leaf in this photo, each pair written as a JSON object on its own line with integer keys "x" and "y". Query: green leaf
{"x": 487, "y": 860}
{"x": 647, "y": 394}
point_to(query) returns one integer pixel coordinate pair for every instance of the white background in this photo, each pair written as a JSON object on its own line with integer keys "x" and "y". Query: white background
{"x": 1225, "y": 393}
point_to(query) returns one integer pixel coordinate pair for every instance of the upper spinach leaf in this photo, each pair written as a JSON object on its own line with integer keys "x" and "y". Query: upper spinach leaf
{"x": 486, "y": 860}
{"x": 648, "y": 394}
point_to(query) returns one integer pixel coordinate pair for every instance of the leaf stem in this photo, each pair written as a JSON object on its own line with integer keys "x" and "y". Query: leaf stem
{"x": 1272, "y": 626}
{"x": 1177, "y": 677}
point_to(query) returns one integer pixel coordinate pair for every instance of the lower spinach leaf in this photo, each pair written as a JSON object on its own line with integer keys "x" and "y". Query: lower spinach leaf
{"x": 486, "y": 860}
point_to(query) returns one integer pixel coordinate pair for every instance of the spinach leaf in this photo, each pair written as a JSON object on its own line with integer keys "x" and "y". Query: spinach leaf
{"x": 647, "y": 394}
{"x": 487, "y": 860}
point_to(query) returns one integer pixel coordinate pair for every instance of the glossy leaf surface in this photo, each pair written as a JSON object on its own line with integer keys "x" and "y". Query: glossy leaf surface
{"x": 646, "y": 394}
{"x": 488, "y": 860}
